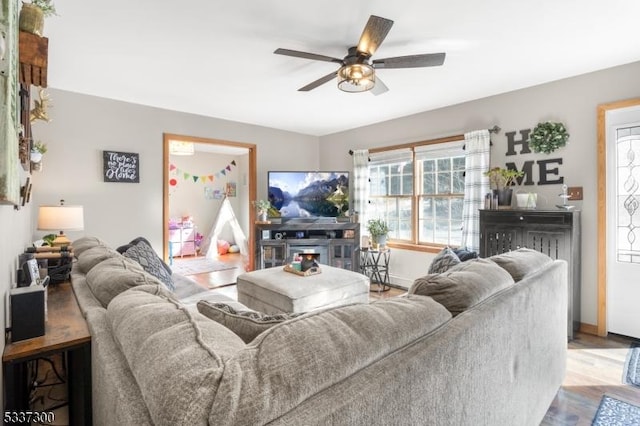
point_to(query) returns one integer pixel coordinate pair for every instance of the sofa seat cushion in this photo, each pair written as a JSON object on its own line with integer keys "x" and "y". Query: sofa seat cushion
{"x": 176, "y": 356}
{"x": 300, "y": 357}
{"x": 464, "y": 285}
{"x": 243, "y": 321}
{"x": 521, "y": 262}
{"x": 185, "y": 286}
{"x": 112, "y": 276}
{"x": 89, "y": 258}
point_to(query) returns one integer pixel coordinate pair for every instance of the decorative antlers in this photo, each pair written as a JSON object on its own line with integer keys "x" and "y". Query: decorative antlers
{"x": 39, "y": 112}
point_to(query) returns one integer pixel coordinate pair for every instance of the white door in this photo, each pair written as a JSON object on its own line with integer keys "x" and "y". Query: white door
{"x": 623, "y": 221}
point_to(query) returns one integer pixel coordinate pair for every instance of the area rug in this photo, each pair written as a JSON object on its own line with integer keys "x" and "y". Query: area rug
{"x": 613, "y": 412}
{"x": 631, "y": 374}
{"x": 198, "y": 266}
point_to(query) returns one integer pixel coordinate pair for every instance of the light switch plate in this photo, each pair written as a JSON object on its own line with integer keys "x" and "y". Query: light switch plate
{"x": 575, "y": 192}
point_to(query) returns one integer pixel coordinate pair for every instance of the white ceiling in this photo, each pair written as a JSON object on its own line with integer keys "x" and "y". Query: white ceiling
{"x": 215, "y": 58}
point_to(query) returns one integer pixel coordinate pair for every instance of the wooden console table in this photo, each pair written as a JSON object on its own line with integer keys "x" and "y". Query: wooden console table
{"x": 337, "y": 243}
{"x": 65, "y": 331}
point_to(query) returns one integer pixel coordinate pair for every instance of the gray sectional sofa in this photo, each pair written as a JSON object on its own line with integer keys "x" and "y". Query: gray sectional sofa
{"x": 471, "y": 346}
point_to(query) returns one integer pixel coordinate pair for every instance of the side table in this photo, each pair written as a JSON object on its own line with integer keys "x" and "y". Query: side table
{"x": 65, "y": 331}
{"x": 375, "y": 265}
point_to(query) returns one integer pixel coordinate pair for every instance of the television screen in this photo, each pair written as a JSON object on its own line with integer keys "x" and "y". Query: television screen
{"x": 308, "y": 194}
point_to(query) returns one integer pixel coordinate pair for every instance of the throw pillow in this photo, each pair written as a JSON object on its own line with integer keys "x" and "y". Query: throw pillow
{"x": 521, "y": 262}
{"x": 464, "y": 285}
{"x": 144, "y": 254}
{"x": 443, "y": 261}
{"x": 464, "y": 254}
{"x": 126, "y": 247}
{"x": 243, "y": 321}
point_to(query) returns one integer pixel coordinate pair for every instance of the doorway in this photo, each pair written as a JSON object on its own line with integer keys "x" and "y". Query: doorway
{"x": 619, "y": 217}
{"x": 228, "y": 166}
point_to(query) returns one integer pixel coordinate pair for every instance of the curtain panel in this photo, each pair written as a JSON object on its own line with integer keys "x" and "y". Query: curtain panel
{"x": 360, "y": 184}
{"x": 476, "y": 185}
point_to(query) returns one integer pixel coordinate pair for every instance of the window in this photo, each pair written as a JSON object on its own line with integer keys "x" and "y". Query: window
{"x": 419, "y": 191}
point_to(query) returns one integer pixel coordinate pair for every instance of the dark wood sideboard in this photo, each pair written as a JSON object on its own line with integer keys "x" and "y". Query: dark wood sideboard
{"x": 555, "y": 233}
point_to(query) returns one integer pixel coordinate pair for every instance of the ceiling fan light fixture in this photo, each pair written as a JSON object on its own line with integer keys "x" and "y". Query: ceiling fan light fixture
{"x": 356, "y": 78}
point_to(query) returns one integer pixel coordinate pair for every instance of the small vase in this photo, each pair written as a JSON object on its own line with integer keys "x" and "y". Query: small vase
{"x": 35, "y": 157}
{"x": 31, "y": 19}
{"x": 262, "y": 216}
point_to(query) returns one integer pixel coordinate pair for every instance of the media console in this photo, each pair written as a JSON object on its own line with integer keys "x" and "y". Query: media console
{"x": 337, "y": 243}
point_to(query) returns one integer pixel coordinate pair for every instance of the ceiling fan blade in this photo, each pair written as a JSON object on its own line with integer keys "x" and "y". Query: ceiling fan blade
{"x": 306, "y": 55}
{"x": 318, "y": 82}
{"x": 373, "y": 34}
{"x": 411, "y": 61}
{"x": 379, "y": 88}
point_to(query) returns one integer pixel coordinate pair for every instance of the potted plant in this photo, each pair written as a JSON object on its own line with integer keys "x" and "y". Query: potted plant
{"x": 500, "y": 180}
{"x": 38, "y": 150}
{"x": 378, "y": 231}
{"x": 32, "y": 15}
{"x": 262, "y": 206}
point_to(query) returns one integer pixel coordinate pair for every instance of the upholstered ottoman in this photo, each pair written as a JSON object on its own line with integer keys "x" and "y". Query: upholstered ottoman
{"x": 273, "y": 290}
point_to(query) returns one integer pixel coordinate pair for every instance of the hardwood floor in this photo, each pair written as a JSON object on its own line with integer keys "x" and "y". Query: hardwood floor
{"x": 222, "y": 278}
{"x": 594, "y": 368}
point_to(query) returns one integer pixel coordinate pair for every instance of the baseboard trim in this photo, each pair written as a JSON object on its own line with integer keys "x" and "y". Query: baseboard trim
{"x": 400, "y": 282}
{"x": 588, "y": 328}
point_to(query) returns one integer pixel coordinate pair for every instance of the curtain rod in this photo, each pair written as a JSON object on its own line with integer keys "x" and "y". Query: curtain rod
{"x": 494, "y": 129}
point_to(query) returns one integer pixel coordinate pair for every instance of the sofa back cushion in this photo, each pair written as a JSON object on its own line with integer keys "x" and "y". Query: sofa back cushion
{"x": 297, "y": 358}
{"x": 464, "y": 285}
{"x": 89, "y": 258}
{"x": 85, "y": 243}
{"x": 176, "y": 356}
{"x": 112, "y": 276}
{"x": 521, "y": 262}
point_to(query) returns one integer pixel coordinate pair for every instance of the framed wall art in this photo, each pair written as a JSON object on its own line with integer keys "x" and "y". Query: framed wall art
{"x": 121, "y": 166}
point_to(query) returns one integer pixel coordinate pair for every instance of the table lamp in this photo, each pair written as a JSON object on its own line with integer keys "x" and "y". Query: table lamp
{"x": 61, "y": 218}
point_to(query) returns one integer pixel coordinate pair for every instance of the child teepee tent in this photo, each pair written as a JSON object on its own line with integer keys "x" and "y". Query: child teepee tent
{"x": 225, "y": 217}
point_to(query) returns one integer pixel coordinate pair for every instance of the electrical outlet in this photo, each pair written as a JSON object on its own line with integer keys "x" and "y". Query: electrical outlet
{"x": 575, "y": 192}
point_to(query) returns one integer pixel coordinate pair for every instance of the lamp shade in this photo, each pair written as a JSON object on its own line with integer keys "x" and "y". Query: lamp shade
{"x": 61, "y": 218}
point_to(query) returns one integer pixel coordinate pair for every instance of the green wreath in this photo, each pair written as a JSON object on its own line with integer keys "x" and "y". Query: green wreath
{"x": 547, "y": 137}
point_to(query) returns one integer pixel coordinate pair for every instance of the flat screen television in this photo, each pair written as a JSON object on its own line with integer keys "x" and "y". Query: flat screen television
{"x": 303, "y": 194}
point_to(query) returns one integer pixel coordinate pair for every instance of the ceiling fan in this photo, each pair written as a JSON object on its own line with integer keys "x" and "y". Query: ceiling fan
{"x": 357, "y": 70}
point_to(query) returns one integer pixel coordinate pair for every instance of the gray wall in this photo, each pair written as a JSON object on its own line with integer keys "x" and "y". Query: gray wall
{"x": 572, "y": 101}
{"x": 82, "y": 126}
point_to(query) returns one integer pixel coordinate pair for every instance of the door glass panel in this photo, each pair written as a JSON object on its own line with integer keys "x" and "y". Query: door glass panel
{"x": 628, "y": 194}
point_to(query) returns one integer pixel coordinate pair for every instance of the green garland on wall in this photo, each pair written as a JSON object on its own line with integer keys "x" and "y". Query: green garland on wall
{"x": 548, "y": 136}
